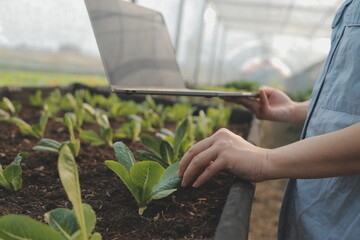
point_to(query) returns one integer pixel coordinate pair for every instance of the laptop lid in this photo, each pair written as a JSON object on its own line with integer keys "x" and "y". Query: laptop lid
{"x": 137, "y": 52}
{"x": 134, "y": 45}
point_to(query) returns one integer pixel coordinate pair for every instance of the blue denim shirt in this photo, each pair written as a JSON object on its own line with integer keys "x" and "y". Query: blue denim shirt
{"x": 329, "y": 208}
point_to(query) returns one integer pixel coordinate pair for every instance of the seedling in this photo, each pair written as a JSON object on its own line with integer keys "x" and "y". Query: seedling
{"x": 165, "y": 152}
{"x": 64, "y": 224}
{"x": 203, "y": 126}
{"x": 10, "y": 177}
{"x": 219, "y": 116}
{"x": 36, "y": 99}
{"x": 178, "y": 111}
{"x": 123, "y": 108}
{"x": 146, "y": 180}
{"x": 36, "y": 130}
{"x": 47, "y": 144}
{"x": 130, "y": 130}
{"x": 13, "y": 108}
{"x": 106, "y": 132}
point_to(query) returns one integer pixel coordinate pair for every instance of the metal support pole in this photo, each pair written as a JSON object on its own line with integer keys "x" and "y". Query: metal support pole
{"x": 199, "y": 44}
{"x": 223, "y": 45}
{"x": 214, "y": 51}
{"x": 179, "y": 24}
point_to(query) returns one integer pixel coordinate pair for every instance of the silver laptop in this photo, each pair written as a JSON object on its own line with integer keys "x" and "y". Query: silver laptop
{"x": 137, "y": 52}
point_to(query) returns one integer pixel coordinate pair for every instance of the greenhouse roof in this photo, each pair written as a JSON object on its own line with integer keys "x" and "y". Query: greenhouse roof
{"x": 286, "y": 17}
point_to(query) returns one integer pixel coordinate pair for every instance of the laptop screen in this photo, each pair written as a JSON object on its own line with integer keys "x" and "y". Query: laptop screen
{"x": 134, "y": 45}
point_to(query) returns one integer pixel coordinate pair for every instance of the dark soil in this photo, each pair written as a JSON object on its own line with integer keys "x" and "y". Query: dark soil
{"x": 187, "y": 214}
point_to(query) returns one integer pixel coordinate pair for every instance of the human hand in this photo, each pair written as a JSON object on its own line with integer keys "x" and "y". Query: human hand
{"x": 223, "y": 150}
{"x": 273, "y": 105}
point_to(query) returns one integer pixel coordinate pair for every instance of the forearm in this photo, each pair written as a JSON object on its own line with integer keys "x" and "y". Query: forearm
{"x": 328, "y": 155}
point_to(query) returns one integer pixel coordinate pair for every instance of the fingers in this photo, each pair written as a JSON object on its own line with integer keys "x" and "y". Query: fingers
{"x": 214, "y": 168}
{"x": 264, "y": 98}
{"x": 250, "y": 103}
{"x": 198, "y": 164}
{"x": 192, "y": 152}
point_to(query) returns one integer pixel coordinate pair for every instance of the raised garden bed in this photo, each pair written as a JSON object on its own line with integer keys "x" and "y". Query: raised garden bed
{"x": 186, "y": 214}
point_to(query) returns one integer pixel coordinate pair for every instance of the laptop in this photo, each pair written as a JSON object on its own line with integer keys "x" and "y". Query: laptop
{"x": 137, "y": 52}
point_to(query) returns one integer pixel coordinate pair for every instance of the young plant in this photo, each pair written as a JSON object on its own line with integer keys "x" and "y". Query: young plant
{"x": 36, "y": 130}
{"x": 36, "y": 100}
{"x": 10, "y": 177}
{"x": 146, "y": 180}
{"x": 123, "y": 108}
{"x": 64, "y": 224}
{"x": 52, "y": 103}
{"x": 130, "y": 129}
{"x": 178, "y": 111}
{"x": 13, "y": 108}
{"x": 219, "y": 116}
{"x": 203, "y": 127}
{"x": 47, "y": 144}
{"x": 106, "y": 132}
{"x": 151, "y": 120}
{"x": 165, "y": 151}
{"x": 94, "y": 99}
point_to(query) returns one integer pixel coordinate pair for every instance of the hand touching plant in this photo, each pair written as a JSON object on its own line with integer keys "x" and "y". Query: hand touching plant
{"x": 223, "y": 150}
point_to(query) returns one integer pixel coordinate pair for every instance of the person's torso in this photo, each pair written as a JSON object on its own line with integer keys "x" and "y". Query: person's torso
{"x": 329, "y": 208}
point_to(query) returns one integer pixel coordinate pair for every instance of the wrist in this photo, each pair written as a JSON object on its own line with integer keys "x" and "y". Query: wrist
{"x": 273, "y": 166}
{"x": 300, "y": 111}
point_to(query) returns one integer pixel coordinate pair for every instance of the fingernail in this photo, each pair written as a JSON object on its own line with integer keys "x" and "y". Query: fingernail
{"x": 195, "y": 185}
{"x": 183, "y": 183}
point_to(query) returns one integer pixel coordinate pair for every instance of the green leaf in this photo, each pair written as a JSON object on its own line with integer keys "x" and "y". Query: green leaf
{"x": 150, "y": 143}
{"x": 145, "y": 175}
{"x": 135, "y": 130}
{"x": 179, "y": 136}
{"x": 167, "y": 132}
{"x": 124, "y": 175}
{"x": 3, "y": 181}
{"x": 124, "y": 155}
{"x": 70, "y": 180}
{"x": 19, "y": 158}
{"x": 36, "y": 99}
{"x": 9, "y": 105}
{"x": 90, "y": 218}
{"x": 150, "y": 101}
{"x": 63, "y": 221}
{"x": 169, "y": 182}
{"x": 24, "y": 127}
{"x": 75, "y": 147}
{"x": 49, "y": 143}
{"x": 42, "y": 148}
{"x": 147, "y": 156}
{"x": 167, "y": 152}
{"x": 96, "y": 236}
{"x": 102, "y": 120}
{"x": 12, "y": 174}
{"x": 203, "y": 130}
{"x": 92, "y": 137}
{"x": 39, "y": 128}
{"x": 4, "y": 114}
{"x": 70, "y": 122}
{"x": 18, "y": 227}
{"x": 107, "y": 135}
